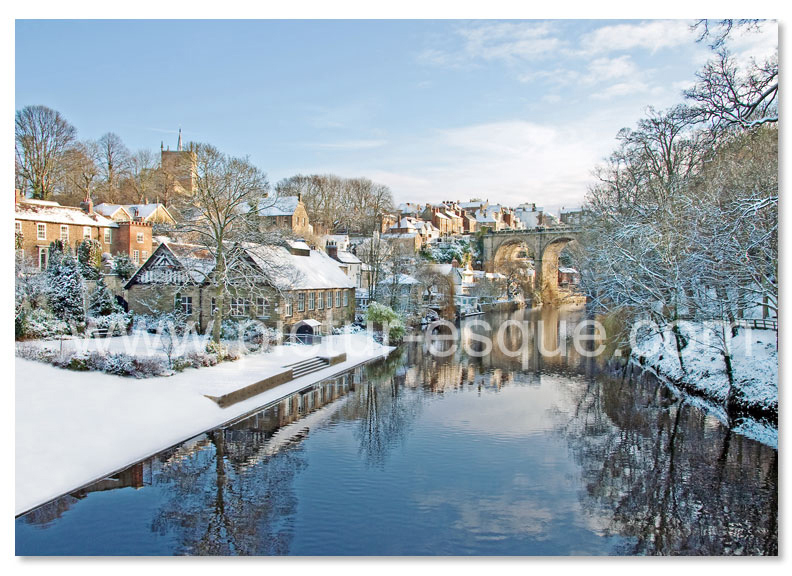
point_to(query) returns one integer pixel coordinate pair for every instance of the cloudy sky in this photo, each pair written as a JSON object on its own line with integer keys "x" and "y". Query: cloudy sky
{"x": 512, "y": 111}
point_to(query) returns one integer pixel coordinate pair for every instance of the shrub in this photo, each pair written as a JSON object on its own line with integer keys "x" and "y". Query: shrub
{"x": 117, "y": 323}
{"x": 40, "y": 323}
{"x": 123, "y": 266}
{"x": 381, "y": 316}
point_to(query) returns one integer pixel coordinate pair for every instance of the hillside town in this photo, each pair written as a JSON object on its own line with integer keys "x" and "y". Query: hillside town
{"x": 424, "y": 261}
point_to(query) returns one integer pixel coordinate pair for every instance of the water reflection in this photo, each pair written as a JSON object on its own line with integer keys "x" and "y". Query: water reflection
{"x": 509, "y": 452}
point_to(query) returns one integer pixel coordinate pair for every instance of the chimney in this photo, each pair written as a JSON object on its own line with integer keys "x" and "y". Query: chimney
{"x": 18, "y": 196}
{"x": 87, "y": 204}
{"x": 332, "y": 249}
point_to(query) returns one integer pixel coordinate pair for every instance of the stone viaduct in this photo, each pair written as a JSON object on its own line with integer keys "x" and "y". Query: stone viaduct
{"x": 543, "y": 245}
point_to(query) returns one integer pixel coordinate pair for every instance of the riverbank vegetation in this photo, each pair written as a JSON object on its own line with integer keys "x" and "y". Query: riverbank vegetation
{"x": 683, "y": 221}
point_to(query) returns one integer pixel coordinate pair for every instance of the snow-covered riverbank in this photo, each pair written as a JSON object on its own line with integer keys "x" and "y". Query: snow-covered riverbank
{"x": 76, "y": 427}
{"x": 702, "y": 372}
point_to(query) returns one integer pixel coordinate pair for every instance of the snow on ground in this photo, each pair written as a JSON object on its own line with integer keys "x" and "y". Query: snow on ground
{"x": 76, "y": 427}
{"x": 755, "y": 362}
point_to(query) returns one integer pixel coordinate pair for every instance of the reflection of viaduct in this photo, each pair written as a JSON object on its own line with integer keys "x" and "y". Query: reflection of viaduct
{"x": 543, "y": 245}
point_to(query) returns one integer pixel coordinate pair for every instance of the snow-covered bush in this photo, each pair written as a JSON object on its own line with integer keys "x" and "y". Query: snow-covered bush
{"x": 447, "y": 250}
{"x": 101, "y": 300}
{"x": 118, "y": 364}
{"x": 254, "y": 334}
{"x": 123, "y": 266}
{"x": 382, "y": 316}
{"x": 41, "y": 323}
{"x": 117, "y": 323}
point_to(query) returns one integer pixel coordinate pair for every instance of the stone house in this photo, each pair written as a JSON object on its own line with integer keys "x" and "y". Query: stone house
{"x": 285, "y": 212}
{"x": 289, "y": 287}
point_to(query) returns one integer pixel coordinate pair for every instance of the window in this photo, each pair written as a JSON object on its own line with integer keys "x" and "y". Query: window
{"x": 301, "y": 302}
{"x": 144, "y": 254}
{"x": 42, "y": 258}
{"x": 18, "y": 227}
{"x": 64, "y": 234}
{"x": 329, "y": 298}
{"x": 107, "y": 236}
{"x": 86, "y": 231}
{"x": 214, "y": 307}
{"x": 185, "y": 302}
{"x": 289, "y": 307}
{"x": 262, "y": 307}
{"x": 237, "y": 307}
{"x": 41, "y": 231}
{"x": 320, "y": 301}
{"x": 338, "y": 299}
{"x": 136, "y": 256}
{"x": 346, "y": 298}
{"x": 311, "y": 300}
{"x": 140, "y": 237}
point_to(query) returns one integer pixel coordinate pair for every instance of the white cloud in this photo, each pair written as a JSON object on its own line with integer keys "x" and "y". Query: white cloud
{"x": 652, "y": 36}
{"x": 602, "y": 69}
{"x": 510, "y": 42}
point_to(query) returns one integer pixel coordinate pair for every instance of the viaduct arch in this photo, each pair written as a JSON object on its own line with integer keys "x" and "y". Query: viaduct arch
{"x": 542, "y": 244}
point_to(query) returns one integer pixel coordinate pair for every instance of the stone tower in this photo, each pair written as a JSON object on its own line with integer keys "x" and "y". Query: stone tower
{"x": 178, "y": 167}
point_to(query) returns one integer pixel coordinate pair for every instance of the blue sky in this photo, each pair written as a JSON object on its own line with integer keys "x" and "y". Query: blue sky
{"x": 513, "y": 111}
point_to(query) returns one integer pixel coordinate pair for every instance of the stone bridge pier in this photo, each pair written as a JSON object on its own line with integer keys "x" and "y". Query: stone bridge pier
{"x": 543, "y": 245}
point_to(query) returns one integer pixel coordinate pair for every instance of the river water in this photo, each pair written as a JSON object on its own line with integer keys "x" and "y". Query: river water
{"x": 473, "y": 451}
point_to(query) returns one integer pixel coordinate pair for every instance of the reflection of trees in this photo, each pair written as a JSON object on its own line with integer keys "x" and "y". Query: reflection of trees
{"x": 674, "y": 479}
{"x": 221, "y": 506}
{"x": 382, "y": 408}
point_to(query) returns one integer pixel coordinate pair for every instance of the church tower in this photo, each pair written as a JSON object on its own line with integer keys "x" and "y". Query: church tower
{"x": 178, "y": 166}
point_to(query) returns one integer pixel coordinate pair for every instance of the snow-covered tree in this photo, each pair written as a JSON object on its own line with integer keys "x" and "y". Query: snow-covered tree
{"x": 89, "y": 257}
{"x": 101, "y": 301}
{"x": 123, "y": 266}
{"x": 66, "y": 290}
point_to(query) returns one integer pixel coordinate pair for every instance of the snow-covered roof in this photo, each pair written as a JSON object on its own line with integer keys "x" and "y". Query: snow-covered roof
{"x": 441, "y": 215}
{"x": 281, "y": 206}
{"x": 476, "y": 204}
{"x": 407, "y": 209}
{"x": 197, "y": 260}
{"x": 394, "y": 236}
{"x": 289, "y": 272}
{"x": 145, "y": 211}
{"x": 565, "y": 270}
{"x": 299, "y": 245}
{"x": 347, "y": 257}
{"x": 110, "y": 210}
{"x": 45, "y": 211}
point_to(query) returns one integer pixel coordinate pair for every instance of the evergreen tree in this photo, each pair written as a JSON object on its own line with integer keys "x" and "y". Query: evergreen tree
{"x": 89, "y": 256}
{"x": 54, "y": 255}
{"x": 66, "y": 289}
{"x": 101, "y": 301}
{"x": 123, "y": 266}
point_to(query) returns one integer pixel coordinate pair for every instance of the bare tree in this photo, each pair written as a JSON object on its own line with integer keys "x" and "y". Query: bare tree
{"x": 42, "y": 137}
{"x": 727, "y": 95}
{"x": 113, "y": 159}
{"x": 78, "y": 175}
{"x": 223, "y": 209}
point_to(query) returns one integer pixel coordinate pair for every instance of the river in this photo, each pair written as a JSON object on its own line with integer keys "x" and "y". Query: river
{"x": 467, "y": 452}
